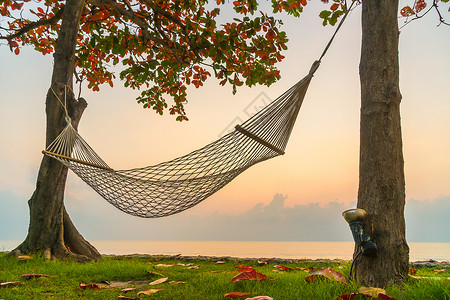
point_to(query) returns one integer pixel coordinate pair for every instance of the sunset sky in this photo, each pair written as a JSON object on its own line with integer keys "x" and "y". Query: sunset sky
{"x": 316, "y": 179}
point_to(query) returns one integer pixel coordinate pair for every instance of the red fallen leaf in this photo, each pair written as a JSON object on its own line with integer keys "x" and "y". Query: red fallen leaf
{"x": 242, "y": 267}
{"x": 283, "y": 268}
{"x": 249, "y": 275}
{"x": 2, "y": 284}
{"x": 347, "y": 296}
{"x": 29, "y": 276}
{"x": 85, "y": 286}
{"x": 382, "y": 296}
{"x": 412, "y": 271}
{"x": 237, "y": 295}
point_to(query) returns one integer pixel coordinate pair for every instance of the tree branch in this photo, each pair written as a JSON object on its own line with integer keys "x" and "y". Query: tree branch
{"x": 30, "y": 26}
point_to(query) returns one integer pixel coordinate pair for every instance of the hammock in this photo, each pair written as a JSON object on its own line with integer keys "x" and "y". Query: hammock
{"x": 174, "y": 186}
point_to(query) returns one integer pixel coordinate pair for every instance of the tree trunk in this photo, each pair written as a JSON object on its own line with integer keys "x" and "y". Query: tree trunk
{"x": 381, "y": 172}
{"x": 50, "y": 230}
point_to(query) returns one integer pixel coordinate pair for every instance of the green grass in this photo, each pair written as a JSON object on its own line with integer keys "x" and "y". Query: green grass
{"x": 201, "y": 283}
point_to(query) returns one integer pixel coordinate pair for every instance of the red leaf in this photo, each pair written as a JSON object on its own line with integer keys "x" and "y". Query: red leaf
{"x": 407, "y": 11}
{"x": 346, "y": 296}
{"x": 242, "y": 267}
{"x": 382, "y": 296}
{"x": 420, "y": 5}
{"x": 17, "y": 51}
{"x": 283, "y": 268}
{"x": 249, "y": 275}
{"x": 236, "y": 295}
{"x": 334, "y": 6}
{"x": 412, "y": 271}
{"x": 85, "y": 286}
{"x": 304, "y": 2}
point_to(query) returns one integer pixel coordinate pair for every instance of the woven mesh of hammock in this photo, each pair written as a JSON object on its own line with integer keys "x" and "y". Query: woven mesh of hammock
{"x": 176, "y": 185}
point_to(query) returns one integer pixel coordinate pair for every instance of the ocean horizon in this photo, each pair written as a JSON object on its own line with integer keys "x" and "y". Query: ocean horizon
{"x": 251, "y": 249}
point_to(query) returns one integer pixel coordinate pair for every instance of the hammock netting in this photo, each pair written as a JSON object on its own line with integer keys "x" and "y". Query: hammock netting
{"x": 176, "y": 185}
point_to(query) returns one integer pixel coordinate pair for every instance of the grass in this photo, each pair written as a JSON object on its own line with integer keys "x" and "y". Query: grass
{"x": 209, "y": 281}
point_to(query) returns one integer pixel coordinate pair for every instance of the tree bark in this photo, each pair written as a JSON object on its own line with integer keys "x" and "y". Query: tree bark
{"x": 50, "y": 230}
{"x": 381, "y": 172}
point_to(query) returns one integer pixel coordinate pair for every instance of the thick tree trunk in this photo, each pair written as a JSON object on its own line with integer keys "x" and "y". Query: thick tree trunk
{"x": 381, "y": 171}
{"x": 50, "y": 230}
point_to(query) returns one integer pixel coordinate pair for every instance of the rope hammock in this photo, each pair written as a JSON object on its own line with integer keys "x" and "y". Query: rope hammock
{"x": 174, "y": 186}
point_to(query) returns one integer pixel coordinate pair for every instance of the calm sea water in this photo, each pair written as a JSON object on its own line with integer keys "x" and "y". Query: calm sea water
{"x": 295, "y": 250}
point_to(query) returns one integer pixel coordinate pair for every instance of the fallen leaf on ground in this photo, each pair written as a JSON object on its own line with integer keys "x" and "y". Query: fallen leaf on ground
{"x": 165, "y": 265}
{"x": 283, "y": 268}
{"x": 29, "y": 276}
{"x": 262, "y": 262}
{"x": 371, "y": 291}
{"x": 333, "y": 275}
{"x": 149, "y": 291}
{"x": 250, "y": 275}
{"x": 260, "y": 298}
{"x": 214, "y": 272}
{"x": 347, "y": 296}
{"x": 412, "y": 271}
{"x": 237, "y": 295}
{"x": 193, "y": 267}
{"x": 242, "y": 267}
{"x": 128, "y": 290}
{"x": 440, "y": 271}
{"x": 149, "y": 263}
{"x": 328, "y": 273}
{"x": 85, "y": 286}
{"x": 24, "y": 257}
{"x": 2, "y": 284}
{"x": 220, "y": 262}
{"x": 382, "y": 296}
{"x": 177, "y": 282}
{"x": 158, "y": 281}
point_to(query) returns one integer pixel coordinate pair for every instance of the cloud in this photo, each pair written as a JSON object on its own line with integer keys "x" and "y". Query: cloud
{"x": 427, "y": 221}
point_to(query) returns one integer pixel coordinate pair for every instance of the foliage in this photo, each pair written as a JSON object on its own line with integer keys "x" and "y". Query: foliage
{"x": 160, "y": 47}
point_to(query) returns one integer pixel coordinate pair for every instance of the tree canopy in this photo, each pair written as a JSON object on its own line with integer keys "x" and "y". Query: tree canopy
{"x": 163, "y": 46}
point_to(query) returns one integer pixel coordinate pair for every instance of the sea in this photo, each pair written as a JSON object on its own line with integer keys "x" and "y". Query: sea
{"x": 253, "y": 249}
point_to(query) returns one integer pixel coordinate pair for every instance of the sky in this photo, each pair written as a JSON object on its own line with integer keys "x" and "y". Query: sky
{"x": 298, "y": 196}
